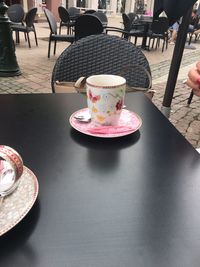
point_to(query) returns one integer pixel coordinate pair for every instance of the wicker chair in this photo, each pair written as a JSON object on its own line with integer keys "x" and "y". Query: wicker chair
{"x": 102, "y": 54}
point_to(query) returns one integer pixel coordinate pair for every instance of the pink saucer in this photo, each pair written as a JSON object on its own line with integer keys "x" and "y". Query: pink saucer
{"x": 129, "y": 123}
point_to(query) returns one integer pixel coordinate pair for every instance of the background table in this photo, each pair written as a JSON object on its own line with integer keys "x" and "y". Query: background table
{"x": 131, "y": 201}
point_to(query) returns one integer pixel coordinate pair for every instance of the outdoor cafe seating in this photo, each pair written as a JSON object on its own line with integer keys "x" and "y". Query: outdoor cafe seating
{"x": 134, "y": 18}
{"x": 21, "y": 22}
{"x": 27, "y": 26}
{"x": 54, "y": 36}
{"x": 89, "y": 194}
{"x": 74, "y": 13}
{"x": 102, "y": 17}
{"x": 16, "y": 13}
{"x": 89, "y": 11}
{"x": 65, "y": 20}
{"x": 84, "y": 25}
{"x": 134, "y": 29}
{"x": 87, "y": 24}
{"x": 159, "y": 31}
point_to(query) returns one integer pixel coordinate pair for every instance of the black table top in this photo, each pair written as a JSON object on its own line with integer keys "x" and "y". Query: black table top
{"x": 123, "y": 202}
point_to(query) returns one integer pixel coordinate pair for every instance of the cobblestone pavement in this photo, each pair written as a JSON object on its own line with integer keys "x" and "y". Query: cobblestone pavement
{"x": 36, "y": 74}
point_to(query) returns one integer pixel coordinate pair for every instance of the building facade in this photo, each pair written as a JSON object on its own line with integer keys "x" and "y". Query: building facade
{"x": 112, "y": 7}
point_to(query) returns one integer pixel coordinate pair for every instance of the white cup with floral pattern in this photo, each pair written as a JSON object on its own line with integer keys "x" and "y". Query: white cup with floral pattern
{"x": 105, "y": 98}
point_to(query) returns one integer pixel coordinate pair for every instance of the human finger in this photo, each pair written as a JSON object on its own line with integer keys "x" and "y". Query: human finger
{"x": 198, "y": 66}
{"x": 194, "y": 76}
{"x": 192, "y": 84}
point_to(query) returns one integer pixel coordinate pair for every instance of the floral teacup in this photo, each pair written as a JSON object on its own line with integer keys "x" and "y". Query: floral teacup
{"x": 105, "y": 98}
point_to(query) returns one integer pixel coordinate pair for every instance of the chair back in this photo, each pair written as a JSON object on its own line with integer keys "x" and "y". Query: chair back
{"x": 73, "y": 11}
{"x": 102, "y": 17}
{"x": 133, "y": 17}
{"x": 16, "y": 13}
{"x": 51, "y": 20}
{"x": 127, "y": 22}
{"x": 102, "y": 54}
{"x": 90, "y": 11}
{"x": 63, "y": 14}
{"x": 30, "y": 16}
{"x": 160, "y": 25}
{"x": 87, "y": 25}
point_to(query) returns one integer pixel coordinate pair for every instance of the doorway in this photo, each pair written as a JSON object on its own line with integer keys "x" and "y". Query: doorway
{"x": 121, "y": 6}
{"x": 139, "y": 7}
{"x": 101, "y": 4}
{"x": 80, "y": 3}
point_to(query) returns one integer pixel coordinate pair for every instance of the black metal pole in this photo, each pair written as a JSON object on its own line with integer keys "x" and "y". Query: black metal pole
{"x": 175, "y": 64}
{"x": 8, "y": 60}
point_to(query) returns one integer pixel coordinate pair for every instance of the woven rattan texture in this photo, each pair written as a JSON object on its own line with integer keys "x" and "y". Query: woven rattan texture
{"x": 102, "y": 54}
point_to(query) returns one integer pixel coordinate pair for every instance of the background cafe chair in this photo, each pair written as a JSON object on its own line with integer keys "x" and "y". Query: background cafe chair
{"x": 28, "y": 27}
{"x": 16, "y": 15}
{"x": 134, "y": 29}
{"x": 102, "y": 17}
{"x": 65, "y": 20}
{"x": 87, "y": 25}
{"x": 133, "y": 17}
{"x": 90, "y": 11}
{"x": 53, "y": 32}
{"x": 74, "y": 13}
{"x": 100, "y": 54}
{"x": 159, "y": 31}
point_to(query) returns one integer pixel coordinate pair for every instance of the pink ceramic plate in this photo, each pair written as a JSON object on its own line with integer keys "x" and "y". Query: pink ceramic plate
{"x": 129, "y": 123}
{"x": 16, "y": 205}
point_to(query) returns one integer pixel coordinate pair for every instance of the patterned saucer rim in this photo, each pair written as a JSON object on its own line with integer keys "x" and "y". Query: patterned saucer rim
{"x": 35, "y": 185}
{"x": 77, "y": 126}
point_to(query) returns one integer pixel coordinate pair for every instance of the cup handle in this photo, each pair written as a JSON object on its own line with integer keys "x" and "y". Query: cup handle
{"x": 10, "y": 155}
